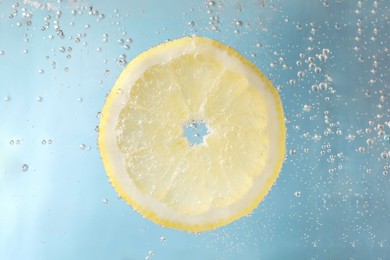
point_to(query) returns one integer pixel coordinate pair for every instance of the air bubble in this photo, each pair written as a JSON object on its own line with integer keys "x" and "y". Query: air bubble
{"x": 381, "y": 133}
{"x": 122, "y": 61}
{"x": 323, "y": 86}
{"x": 25, "y": 167}
{"x": 317, "y": 137}
{"x": 307, "y": 108}
{"x": 322, "y": 57}
{"x": 370, "y": 141}
{"x": 211, "y": 3}
{"x": 310, "y": 59}
{"x": 238, "y": 22}
{"x": 214, "y": 28}
{"x": 385, "y": 155}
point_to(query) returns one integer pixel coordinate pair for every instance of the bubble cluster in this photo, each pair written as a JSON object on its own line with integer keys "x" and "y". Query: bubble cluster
{"x": 13, "y": 141}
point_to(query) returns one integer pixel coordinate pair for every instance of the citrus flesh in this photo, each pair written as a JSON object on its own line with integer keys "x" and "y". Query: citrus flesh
{"x": 155, "y": 167}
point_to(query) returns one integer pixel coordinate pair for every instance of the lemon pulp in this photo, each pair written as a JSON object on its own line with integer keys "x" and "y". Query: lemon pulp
{"x": 152, "y": 164}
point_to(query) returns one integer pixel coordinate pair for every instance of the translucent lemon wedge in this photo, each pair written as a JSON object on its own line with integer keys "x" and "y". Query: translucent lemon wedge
{"x": 191, "y": 180}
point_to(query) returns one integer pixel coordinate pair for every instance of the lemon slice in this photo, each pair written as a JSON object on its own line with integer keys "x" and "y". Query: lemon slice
{"x": 192, "y": 182}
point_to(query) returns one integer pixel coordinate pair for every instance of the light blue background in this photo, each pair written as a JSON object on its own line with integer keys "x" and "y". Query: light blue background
{"x": 332, "y": 199}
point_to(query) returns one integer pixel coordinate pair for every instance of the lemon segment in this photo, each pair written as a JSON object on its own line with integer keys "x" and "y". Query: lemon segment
{"x": 188, "y": 70}
{"x": 156, "y": 168}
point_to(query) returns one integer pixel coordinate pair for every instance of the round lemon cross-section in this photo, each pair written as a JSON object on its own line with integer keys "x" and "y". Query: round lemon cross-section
{"x": 192, "y": 135}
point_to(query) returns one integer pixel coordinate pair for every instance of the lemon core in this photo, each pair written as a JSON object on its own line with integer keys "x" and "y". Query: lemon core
{"x": 195, "y": 132}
